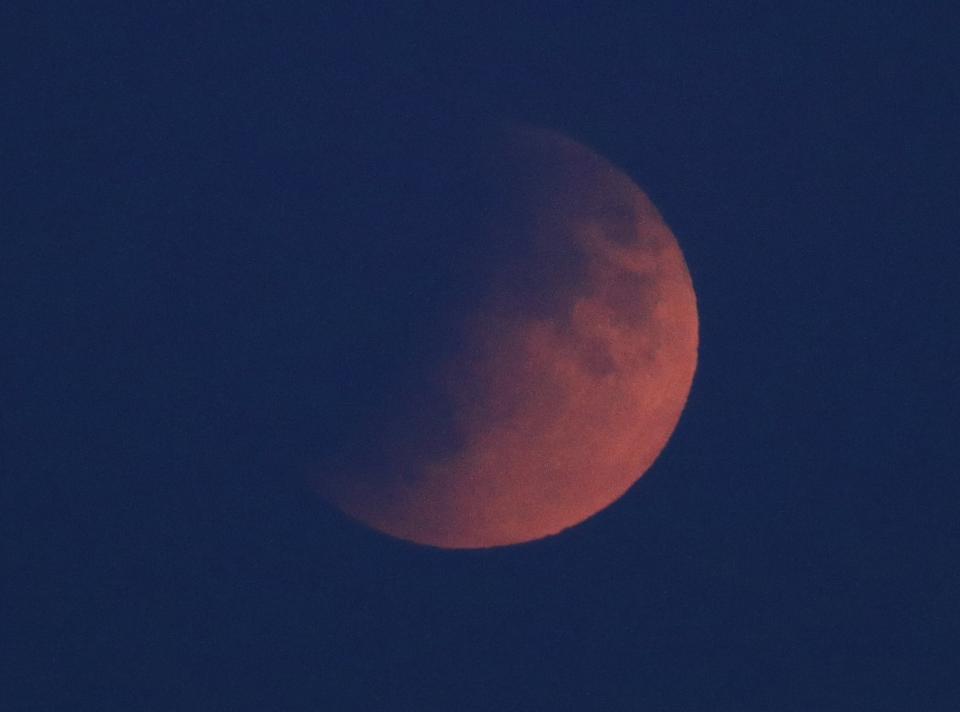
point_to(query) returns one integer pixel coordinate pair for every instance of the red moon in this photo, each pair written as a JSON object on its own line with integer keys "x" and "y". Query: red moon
{"x": 559, "y": 408}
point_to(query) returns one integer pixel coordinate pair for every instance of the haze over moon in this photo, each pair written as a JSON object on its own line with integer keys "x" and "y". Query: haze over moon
{"x": 557, "y": 384}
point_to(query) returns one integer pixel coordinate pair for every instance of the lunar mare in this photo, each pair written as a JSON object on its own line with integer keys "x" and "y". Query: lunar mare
{"x": 568, "y": 379}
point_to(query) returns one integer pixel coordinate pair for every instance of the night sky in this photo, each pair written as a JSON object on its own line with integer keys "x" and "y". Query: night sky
{"x": 227, "y": 233}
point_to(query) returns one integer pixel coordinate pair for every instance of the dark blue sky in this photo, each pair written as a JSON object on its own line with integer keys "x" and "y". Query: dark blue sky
{"x": 203, "y": 277}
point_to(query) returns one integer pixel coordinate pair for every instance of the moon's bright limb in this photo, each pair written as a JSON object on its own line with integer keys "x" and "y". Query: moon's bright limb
{"x": 570, "y": 377}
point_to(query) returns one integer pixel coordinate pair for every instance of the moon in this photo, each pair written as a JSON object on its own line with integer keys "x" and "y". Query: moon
{"x": 560, "y": 385}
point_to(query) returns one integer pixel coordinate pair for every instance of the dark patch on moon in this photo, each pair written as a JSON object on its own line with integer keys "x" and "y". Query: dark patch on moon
{"x": 632, "y": 297}
{"x": 596, "y": 357}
